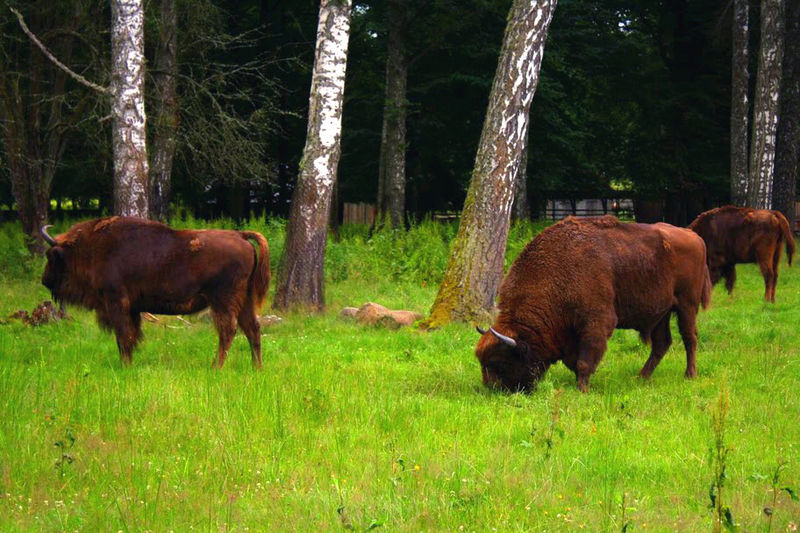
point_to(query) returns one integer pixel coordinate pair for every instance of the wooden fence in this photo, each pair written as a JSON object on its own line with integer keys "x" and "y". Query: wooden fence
{"x": 358, "y": 214}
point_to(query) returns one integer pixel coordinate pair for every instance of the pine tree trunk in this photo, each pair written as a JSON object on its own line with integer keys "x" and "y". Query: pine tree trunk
{"x": 521, "y": 209}
{"x": 131, "y": 182}
{"x": 740, "y": 104}
{"x": 166, "y": 111}
{"x": 300, "y": 275}
{"x": 476, "y": 260}
{"x": 766, "y": 106}
{"x": 392, "y": 163}
{"x": 34, "y": 132}
{"x": 787, "y": 156}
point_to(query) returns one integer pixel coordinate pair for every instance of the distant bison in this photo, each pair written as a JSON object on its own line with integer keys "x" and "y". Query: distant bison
{"x": 579, "y": 280}
{"x": 123, "y": 266}
{"x": 744, "y": 235}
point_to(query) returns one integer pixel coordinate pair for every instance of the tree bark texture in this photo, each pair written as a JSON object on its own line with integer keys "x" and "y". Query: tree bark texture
{"x": 740, "y": 104}
{"x": 476, "y": 259}
{"x": 392, "y": 164}
{"x": 766, "y": 106}
{"x": 787, "y": 149}
{"x": 35, "y": 124}
{"x": 521, "y": 209}
{"x": 300, "y": 275}
{"x": 165, "y": 111}
{"x": 131, "y": 181}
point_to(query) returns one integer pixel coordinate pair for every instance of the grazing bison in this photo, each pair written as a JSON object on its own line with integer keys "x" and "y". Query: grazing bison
{"x": 123, "y": 266}
{"x": 579, "y": 280}
{"x": 744, "y": 235}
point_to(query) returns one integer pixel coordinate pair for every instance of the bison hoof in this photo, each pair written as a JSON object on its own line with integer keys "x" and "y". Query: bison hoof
{"x": 691, "y": 373}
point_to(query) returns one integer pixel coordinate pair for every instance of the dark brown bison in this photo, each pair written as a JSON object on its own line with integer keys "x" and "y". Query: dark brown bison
{"x": 744, "y": 235}
{"x": 123, "y": 266}
{"x": 579, "y": 280}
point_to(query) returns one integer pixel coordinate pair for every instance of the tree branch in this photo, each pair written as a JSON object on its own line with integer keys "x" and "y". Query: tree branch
{"x": 62, "y": 66}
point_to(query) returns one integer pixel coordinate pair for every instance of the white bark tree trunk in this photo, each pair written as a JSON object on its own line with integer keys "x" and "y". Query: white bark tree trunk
{"x": 131, "y": 185}
{"x": 521, "y": 208}
{"x": 740, "y": 104}
{"x": 766, "y": 106}
{"x": 300, "y": 276}
{"x": 476, "y": 261}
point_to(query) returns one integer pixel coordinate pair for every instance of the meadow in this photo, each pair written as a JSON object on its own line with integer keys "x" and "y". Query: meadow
{"x": 360, "y": 428}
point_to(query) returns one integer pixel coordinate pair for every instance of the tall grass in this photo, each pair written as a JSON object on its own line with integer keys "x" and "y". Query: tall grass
{"x": 358, "y": 428}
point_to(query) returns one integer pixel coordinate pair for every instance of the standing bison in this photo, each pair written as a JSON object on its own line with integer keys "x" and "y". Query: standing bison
{"x": 123, "y": 266}
{"x": 579, "y": 280}
{"x": 744, "y": 235}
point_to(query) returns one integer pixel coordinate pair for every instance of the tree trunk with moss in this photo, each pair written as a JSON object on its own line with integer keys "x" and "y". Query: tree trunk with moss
{"x": 300, "y": 275}
{"x": 766, "y": 106}
{"x": 475, "y": 266}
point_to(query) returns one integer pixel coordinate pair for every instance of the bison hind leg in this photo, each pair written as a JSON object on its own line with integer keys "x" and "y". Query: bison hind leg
{"x": 225, "y": 322}
{"x": 661, "y": 340}
{"x": 687, "y": 324}
{"x": 252, "y": 330}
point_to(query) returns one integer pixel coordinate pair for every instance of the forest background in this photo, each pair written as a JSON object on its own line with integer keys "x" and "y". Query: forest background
{"x": 633, "y": 100}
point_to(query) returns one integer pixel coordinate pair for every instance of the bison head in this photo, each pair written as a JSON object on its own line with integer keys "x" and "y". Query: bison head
{"x": 508, "y": 363}
{"x": 56, "y": 269}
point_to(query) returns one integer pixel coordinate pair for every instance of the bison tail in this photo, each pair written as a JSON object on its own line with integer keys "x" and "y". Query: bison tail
{"x": 705, "y": 297}
{"x": 259, "y": 279}
{"x": 786, "y": 234}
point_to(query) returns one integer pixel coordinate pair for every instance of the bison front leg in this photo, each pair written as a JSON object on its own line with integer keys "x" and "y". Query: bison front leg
{"x": 729, "y": 273}
{"x": 660, "y": 339}
{"x": 126, "y": 326}
{"x": 590, "y": 351}
{"x": 252, "y": 329}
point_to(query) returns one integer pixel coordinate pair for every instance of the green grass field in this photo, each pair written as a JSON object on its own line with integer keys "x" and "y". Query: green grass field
{"x": 358, "y": 428}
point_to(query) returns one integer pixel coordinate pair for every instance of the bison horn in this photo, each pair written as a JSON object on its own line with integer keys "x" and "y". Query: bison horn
{"x": 481, "y": 331}
{"x": 507, "y": 340}
{"x": 47, "y": 238}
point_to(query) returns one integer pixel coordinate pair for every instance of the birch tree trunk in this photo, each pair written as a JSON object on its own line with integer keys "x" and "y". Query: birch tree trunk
{"x": 165, "y": 112}
{"x": 476, "y": 260}
{"x": 521, "y": 209}
{"x": 392, "y": 163}
{"x": 300, "y": 275}
{"x": 131, "y": 184}
{"x": 766, "y": 106}
{"x": 740, "y": 105}
{"x": 787, "y": 157}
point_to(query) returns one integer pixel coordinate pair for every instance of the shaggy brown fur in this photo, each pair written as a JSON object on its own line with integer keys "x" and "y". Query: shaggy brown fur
{"x": 123, "y": 266}
{"x": 744, "y": 235}
{"x": 579, "y": 280}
